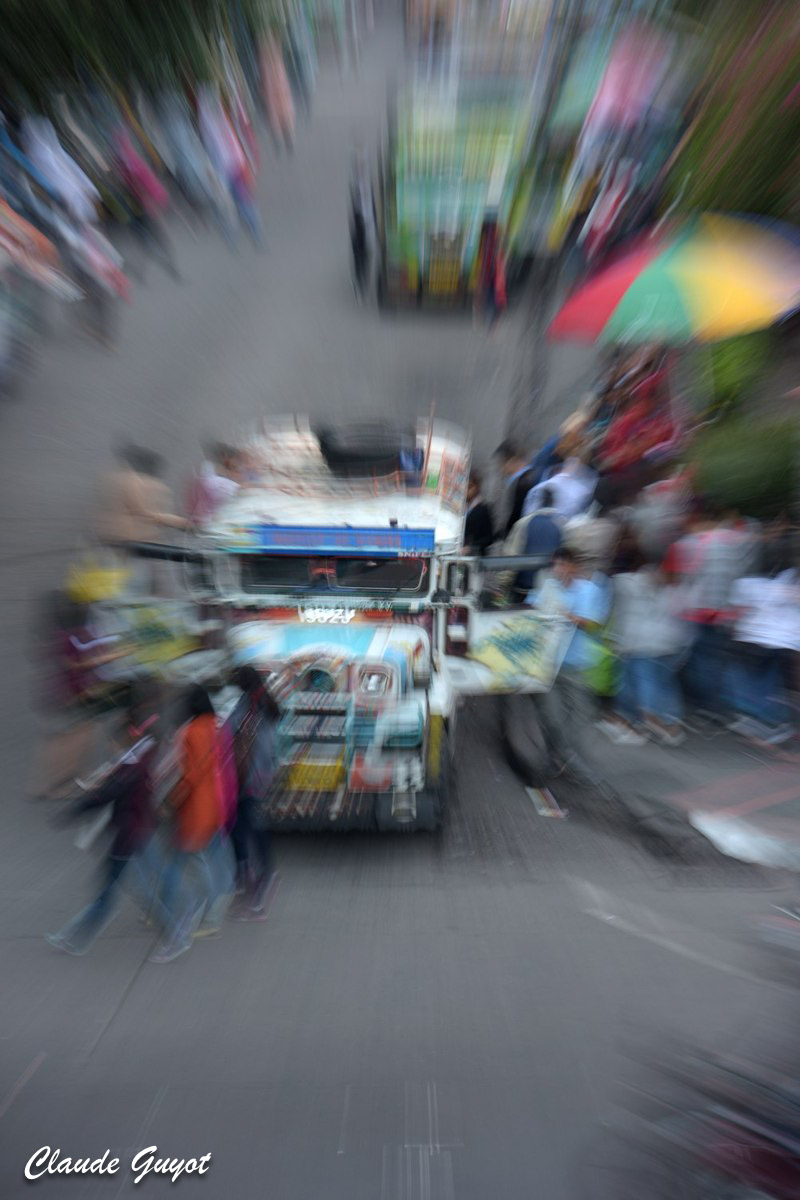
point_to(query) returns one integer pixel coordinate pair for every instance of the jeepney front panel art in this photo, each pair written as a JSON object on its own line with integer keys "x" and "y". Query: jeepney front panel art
{"x": 354, "y": 715}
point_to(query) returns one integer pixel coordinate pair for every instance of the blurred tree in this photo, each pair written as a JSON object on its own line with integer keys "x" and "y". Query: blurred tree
{"x": 49, "y": 45}
{"x": 741, "y": 152}
{"x": 748, "y": 465}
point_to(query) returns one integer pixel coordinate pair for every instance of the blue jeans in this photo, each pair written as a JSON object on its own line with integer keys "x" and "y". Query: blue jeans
{"x": 706, "y": 670}
{"x": 213, "y": 867}
{"x": 650, "y": 688}
{"x": 140, "y": 874}
{"x": 755, "y": 680}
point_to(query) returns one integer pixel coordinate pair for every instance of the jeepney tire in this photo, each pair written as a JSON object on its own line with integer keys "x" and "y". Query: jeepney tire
{"x": 432, "y": 803}
{"x": 429, "y": 812}
{"x": 522, "y": 738}
{"x": 383, "y": 814}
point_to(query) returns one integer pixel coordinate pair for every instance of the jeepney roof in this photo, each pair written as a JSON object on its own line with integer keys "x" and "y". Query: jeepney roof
{"x": 291, "y": 486}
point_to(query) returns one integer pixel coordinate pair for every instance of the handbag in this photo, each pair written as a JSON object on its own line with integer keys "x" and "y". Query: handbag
{"x": 602, "y": 675}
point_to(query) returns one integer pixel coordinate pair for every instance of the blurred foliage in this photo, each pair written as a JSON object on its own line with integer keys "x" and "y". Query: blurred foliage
{"x": 48, "y": 45}
{"x": 736, "y": 364}
{"x": 749, "y": 466}
{"x": 742, "y": 152}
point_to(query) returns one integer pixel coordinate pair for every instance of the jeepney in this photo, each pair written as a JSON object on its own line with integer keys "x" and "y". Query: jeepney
{"x": 350, "y": 595}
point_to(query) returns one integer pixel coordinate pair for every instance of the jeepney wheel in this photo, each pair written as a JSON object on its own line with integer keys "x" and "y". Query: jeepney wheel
{"x": 432, "y": 802}
{"x": 522, "y": 738}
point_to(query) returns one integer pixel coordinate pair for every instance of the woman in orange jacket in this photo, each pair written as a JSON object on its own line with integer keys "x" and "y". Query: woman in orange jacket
{"x": 201, "y": 810}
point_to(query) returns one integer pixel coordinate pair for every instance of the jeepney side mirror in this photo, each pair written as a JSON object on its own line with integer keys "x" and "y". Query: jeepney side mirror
{"x": 441, "y": 597}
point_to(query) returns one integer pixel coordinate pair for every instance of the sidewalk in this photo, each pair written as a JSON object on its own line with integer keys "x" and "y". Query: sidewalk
{"x": 745, "y": 800}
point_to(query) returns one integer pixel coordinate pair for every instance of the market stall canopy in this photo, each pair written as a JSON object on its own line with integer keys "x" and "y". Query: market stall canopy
{"x": 710, "y": 278}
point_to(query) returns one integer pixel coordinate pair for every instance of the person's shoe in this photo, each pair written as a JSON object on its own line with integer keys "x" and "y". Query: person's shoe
{"x": 258, "y": 908}
{"x": 61, "y": 943}
{"x": 611, "y": 729}
{"x": 775, "y": 736}
{"x": 629, "y": 737}
{"x": 253, "y": 912}
{"x": 743, "y": 725}
{"x": 672, "y": 737}
{"x": 169, "y": 952}
{"x": 207, "y": 931}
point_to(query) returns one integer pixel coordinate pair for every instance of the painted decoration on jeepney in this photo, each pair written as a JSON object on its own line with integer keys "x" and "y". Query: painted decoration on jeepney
{"x": 517, "y": 647}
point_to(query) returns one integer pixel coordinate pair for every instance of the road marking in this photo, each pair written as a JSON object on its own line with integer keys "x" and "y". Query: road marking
{"x": 24, "y": 1079}
{"x": 674, "y": 947}
{"x": 758, "y": 802}
{"x": 601, "y": 907}
{"x": 545, "y": 803}
{"x": 721, "y": 788}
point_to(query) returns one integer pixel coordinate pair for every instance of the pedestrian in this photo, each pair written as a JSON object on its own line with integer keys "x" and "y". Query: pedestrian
{"x": 593, "y": 536}
{"x": 190, "y": 167}
{"x": 150, "y": 201}
{"x": 72, "y": 694}
{"x": 362, "y": 221}
{"x": 200, "y": 809}
{"x": 229, "y": 160}
{"x": 538, "y": 534}
{"x": 651, "y": 641}
{"x": 277, "y": 94}
{"x": 126, "y": 793}
{"x": 766, "y": 633}
{"x": 570, "y": 489}
{"x": 707, "y": 560}
{"x": 478, "y": 525}
{"x": 253, "y": 725}
{"x": 136, "y": 507}
{"x": 216, "y": 480}
{"x": 567, "y": 708}
{"x": 490, "y": 288}
{"x": 518, "y": 475}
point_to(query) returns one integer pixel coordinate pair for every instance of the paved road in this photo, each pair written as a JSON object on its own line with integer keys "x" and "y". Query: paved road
{"x": 420, "y": 1018}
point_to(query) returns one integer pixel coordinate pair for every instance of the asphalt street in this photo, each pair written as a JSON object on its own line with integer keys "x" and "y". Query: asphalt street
{"x": 420, "y": 1018}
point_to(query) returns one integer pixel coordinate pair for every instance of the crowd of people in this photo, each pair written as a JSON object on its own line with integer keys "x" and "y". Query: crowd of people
{"x": 685, "y": 614}
{"x": 182, "y": 810}
{"x": 95, "y": 165}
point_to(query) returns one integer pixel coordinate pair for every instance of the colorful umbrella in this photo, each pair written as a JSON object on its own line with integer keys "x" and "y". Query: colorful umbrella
{"x": 711, "y": 278}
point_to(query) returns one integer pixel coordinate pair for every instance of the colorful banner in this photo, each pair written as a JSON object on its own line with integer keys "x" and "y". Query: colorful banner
{"x": 522, "y": 650}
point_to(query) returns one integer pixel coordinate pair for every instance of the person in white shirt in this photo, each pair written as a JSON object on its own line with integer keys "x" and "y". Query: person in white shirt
{"x": 571, "y": 490}
{"x": 651, "y": 641}
{"x": 766, "y": 632}
{"x": 214, "y": 483}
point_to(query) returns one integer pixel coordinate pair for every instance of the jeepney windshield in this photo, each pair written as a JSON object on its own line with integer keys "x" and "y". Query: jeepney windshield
{"x": 268, "y": 573}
